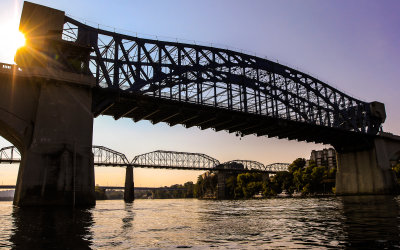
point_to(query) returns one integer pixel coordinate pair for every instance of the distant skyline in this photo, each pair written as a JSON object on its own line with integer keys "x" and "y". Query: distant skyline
{"x": 351, "y": 45}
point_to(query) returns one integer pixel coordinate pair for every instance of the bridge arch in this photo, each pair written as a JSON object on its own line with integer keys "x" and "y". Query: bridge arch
{"x": 104, "y": 156}
{"x": 244, "y": 165}
{"x": 277, "y": 167}
{"x": 10, "y": 154}
{"x": 221, "y": 79}
{"x": 175, "y": 160}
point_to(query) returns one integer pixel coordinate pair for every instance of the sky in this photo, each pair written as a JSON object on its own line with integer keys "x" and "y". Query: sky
{"x": 351, "y": 45}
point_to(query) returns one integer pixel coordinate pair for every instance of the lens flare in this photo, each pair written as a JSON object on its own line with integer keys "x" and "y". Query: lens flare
{"x": 11, "y": 40}
{"x": 20, "y": 39}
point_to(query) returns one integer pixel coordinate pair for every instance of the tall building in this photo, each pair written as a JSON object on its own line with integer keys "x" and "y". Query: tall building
{"x": 325, "y": 157}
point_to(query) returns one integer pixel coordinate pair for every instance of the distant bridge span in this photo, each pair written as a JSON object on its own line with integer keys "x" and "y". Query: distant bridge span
{"x": 113, "y": 188}
{"x": 106, "y": 157}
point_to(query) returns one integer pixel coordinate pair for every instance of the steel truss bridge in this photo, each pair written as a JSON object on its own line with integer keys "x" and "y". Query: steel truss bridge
{"x": 114, "y": 188}
{"x": 105, "y": 157}
{"x": 209, "y": 87}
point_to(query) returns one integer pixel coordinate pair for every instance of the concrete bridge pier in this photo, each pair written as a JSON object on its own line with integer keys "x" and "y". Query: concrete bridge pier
{"x": 368, "y": 171}
{"x": 129, "y": 192}
{"x": 221, "y": 185}
{"x": 51, "y": 123}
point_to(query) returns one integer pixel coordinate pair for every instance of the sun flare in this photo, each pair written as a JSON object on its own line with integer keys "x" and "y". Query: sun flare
{"x": 12, "y": 40}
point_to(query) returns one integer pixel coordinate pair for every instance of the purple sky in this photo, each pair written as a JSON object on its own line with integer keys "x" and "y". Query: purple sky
{"x": 351, "y": 45}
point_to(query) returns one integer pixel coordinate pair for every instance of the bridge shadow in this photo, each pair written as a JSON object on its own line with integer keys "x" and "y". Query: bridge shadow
{"x": 51, "y": 228}
{"x": 371, "y": 222}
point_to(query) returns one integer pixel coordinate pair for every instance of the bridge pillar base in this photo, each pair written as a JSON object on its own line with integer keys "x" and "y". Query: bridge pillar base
{"x": 221, "y": 185}
{"x": 57, "y": 162}
{"x": 365, "y": 171}
{"x": 129, "y": 192}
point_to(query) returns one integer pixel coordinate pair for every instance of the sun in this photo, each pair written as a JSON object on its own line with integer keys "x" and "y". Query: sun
{"x": 11, "y": 40}
{"x": 20, "y": 39}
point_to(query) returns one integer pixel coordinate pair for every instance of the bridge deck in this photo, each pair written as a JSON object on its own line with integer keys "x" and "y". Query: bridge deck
{"x": 154, "y": 109}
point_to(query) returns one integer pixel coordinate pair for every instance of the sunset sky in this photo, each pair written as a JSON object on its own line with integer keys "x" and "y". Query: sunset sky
{"x": 351, "y": 45}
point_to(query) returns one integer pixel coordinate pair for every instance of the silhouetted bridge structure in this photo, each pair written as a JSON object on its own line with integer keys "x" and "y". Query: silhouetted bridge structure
{"x": 105, "y": 157}
{"x": 114, "y": 188}
{"x": 69, "y": 72}
{"x": 160, "y": 159}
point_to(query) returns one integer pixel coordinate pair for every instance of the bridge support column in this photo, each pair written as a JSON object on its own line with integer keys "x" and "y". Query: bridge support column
{"x": 367, "y": 171}
{"x": 129, "y": 192}
{"x": 221, "y": 185}
{"x": 56, "y": 141}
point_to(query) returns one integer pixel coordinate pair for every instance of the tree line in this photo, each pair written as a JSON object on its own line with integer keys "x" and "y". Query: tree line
{"x": 300, "y": 179}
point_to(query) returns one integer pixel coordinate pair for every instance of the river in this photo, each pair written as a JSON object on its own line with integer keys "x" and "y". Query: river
{"x": 334, "y": 222}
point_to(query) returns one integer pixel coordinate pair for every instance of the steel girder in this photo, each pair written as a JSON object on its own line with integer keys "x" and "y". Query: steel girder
{"x": 10, "y": 155}
{"x": 107, "y": 157}
{"x": 244, "y": 165}
{"x": 277, "y": 167}
{"x": 255, "y": 166}
{"x": 102, "y": 156}
{"x": 221, "y": 78}
{"x": 175, "y": 160}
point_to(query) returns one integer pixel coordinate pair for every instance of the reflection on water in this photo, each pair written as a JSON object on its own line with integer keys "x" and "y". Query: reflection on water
{"x": 45, "y": 228}
{"x": 343, "y": 222}
{"x": 371, "y": 221}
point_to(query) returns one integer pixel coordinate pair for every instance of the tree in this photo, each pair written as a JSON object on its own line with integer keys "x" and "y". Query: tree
{"x": 206, "y": 186}
{"x": 248, "y": 184}
{"x": 230, "y": 185}
{"x": 297, "y": 164}
{"x": 198, "y": 188}
{"x": 189, "y": 189}
{"x": 271, "y": 188}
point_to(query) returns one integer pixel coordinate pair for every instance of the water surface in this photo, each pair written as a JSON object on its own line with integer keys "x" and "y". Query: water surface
{"x": 335, "y": 222}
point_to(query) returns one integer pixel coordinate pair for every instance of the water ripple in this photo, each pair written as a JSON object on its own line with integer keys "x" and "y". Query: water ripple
{"x": 367, "y": 222}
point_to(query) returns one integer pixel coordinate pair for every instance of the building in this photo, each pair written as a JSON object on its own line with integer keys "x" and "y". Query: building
{"x": 325, "y": 157}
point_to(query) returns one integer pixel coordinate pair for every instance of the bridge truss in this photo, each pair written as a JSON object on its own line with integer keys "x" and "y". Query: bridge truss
{"x": 255, "y": 166}
{"x": 102, "y": 156}
{"x": 222, "y": 89}
{"x": 106, "y": 157}
{"x": 10, "y": 155}
{"x": 175, "y": 160}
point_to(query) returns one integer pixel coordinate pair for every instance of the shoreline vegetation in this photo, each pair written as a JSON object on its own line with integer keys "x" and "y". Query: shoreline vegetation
{"x": 301, "y": 180}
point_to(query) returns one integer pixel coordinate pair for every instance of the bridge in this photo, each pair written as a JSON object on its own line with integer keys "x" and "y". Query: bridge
{"x": 161, "y": 159}
{"x": 106, "y": 157}
{"x": 113, "y": 188}
{"x": 69, "y": 72}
